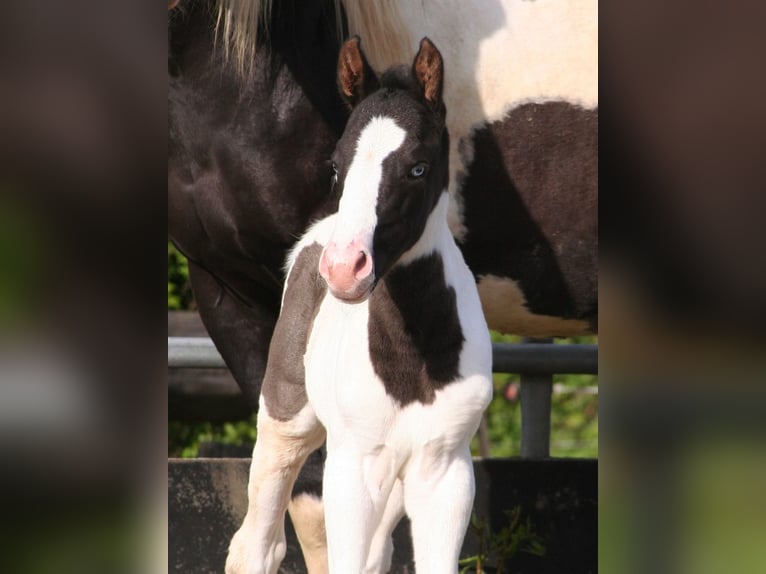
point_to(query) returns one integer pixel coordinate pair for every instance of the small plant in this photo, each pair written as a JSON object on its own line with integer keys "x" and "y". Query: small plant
{"x": 184, "y": 439}
{"x": 495, "y": 550}
{"x": 179, "y": 290}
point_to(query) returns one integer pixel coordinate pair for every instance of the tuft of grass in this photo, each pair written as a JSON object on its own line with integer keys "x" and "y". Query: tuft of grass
{"x": 495, "y": 550}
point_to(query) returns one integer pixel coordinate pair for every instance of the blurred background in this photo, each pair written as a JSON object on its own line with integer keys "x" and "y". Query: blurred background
{"x": 82, "y": 326}
{"x": 681, "y": 286}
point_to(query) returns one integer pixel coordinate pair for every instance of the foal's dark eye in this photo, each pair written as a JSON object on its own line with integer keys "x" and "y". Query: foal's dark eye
{"x": 418, "y": 170}
{"x": 334, "y": 178}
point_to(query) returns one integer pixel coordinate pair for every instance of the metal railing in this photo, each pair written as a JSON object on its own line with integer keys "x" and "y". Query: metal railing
{"x": 536, "y": 360}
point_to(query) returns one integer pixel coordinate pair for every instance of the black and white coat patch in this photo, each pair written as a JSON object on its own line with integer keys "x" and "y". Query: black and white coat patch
{"x": 381, "y": 318}
{"x": 398, "y": 380}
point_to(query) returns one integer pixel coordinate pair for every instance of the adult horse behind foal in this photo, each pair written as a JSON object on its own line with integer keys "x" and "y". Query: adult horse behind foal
{"x": 248, "y": 151}
{"x": 381, "y": 342}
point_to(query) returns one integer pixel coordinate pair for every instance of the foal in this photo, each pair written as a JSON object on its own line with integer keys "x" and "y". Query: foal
{"x": 381, "y": 341}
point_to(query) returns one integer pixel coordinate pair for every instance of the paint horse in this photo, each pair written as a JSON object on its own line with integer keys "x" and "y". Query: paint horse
{"x": 523, "y": 96}
{"x": 381, "y": 341}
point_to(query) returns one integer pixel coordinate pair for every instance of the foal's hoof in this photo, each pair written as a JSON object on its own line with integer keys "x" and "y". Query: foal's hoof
{"x": 236, "y": 559}
{"x": 245, "y": 558}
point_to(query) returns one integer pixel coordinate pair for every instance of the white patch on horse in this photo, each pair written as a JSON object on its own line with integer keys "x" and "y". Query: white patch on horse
{"x": 356, "y": 212}
{"x": 498, "y": 56}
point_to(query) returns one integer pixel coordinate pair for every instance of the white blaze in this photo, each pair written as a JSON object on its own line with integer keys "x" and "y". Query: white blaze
{"x": 356, "y": 212}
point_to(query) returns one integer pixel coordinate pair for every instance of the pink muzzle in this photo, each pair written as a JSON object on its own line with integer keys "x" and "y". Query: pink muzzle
{"x": 348, "y": 270}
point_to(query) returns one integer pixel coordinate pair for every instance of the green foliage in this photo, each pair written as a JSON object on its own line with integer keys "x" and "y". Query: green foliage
{"x": 27, "y": 264}
{"x": 179, "y": 291}
{"x": 496, "y": 550}
{"x": 574, "y": 418}
{"x": 574, "y": 415}
{"x": 184, "y": 439}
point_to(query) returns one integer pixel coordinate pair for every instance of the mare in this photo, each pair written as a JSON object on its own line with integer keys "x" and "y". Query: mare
{"x": 381, "y": 344}
{"x": 254, "y": 115}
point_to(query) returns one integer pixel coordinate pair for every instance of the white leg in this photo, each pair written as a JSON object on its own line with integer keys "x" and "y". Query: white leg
{"x": 382, "y": 547}
{"x": 307, "y": 515}
{"x": 355, "y": 492}
{"x": 281, "y": 448}
{"x": 438, "y": 496}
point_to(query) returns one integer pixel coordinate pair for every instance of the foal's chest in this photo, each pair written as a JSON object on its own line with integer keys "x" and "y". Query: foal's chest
{"x": 366, "y": 363}
{"x": 340, "y": 379}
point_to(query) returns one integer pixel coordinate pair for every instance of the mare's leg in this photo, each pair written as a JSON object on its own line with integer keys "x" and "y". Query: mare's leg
{"x": 438, "y": 496}
{"x": 356, "y": 490}
{"x": 382, "y": 546}
{"x": 280, "y": 450}
{"x": 241, "y": 332}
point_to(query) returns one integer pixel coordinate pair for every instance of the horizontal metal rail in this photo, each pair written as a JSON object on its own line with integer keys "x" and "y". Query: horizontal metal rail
{"x": 193, "y": 353}
{"x": 536, "y": 361}
{"x": 527, "y": 358}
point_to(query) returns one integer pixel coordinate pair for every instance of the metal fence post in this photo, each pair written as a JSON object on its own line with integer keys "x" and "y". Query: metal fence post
{"x": 536, "y": 391}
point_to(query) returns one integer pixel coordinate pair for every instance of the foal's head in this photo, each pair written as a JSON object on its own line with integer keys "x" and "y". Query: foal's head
{"x": 391, "y": 166}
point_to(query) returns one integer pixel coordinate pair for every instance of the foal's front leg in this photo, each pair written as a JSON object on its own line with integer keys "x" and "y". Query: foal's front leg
{"x": 438, "y": 495}
{"x": 356, "y": 489}
{"x": 381, "y": 551}
{"x": 280, "y": 450}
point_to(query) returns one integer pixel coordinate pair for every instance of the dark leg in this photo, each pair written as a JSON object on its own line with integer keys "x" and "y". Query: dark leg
{"x": 241, "y": 332}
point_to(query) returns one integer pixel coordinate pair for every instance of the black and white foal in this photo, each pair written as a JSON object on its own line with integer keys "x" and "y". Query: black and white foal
{"x": 381, "y": 342}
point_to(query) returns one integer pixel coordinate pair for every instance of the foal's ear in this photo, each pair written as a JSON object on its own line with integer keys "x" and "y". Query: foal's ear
{"x": 356, "y": 80}
{"x": 428, "y": 69}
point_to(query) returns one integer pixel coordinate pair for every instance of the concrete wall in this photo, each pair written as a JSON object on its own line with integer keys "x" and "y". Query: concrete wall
{"x": 208, "y": 498}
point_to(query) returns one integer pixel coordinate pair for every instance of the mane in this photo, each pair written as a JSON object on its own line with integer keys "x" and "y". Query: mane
{"x": 236, "y": 30}
{"x": 382, "y": 30}
{"x": 239, "y": 23}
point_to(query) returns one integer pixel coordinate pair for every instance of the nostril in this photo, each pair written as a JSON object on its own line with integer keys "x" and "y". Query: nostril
{"x": 361, "y": 261}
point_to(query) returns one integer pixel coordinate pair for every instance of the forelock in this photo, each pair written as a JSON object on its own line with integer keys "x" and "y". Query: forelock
{"x": 399, "y": 78}
{"x": 396, "y": 103}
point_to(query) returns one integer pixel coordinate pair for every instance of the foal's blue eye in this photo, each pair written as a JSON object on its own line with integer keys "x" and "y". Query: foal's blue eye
{"x": 419, "y": 170}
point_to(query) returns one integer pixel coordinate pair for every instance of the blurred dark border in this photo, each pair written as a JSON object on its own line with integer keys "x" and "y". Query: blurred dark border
{"x": 682, "y": 282}
{"x": 83, "y": 132}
